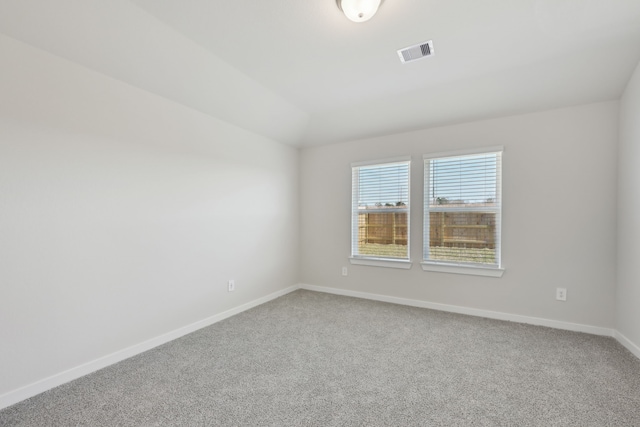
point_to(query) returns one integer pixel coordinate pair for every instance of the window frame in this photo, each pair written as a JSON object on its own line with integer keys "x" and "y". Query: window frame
{"x": 371, "y": 260}
{"x": 470, "y": 268}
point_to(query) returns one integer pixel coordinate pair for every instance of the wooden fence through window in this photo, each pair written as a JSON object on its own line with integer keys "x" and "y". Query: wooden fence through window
{"x": 462, "y": 230}
{"x": 447, "y": 229}
{"x": 386, "y": 228}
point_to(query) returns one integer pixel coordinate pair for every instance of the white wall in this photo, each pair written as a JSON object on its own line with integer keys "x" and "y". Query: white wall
{"x": 559, "y": 217}
{"x": 628, "y": 291}
{"x": 122, "y": 215}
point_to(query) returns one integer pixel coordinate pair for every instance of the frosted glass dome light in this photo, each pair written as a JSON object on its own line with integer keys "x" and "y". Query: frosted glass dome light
{"x": 359, "y": 10}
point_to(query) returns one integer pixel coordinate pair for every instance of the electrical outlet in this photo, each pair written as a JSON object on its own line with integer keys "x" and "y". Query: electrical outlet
{"x": 232, "y": 285}
{"x": 561, "y": 294}
{"x": 345, "y": 272}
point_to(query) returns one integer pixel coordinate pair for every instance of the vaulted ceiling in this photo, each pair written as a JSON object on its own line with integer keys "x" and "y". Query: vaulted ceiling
{"x": 300, "y": 72}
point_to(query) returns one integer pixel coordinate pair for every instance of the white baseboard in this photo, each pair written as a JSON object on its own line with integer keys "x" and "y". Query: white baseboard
{"x": 48, "y": 383}
{"x": 45, "y": 384}
{"x": 576, "y": 327}
{"x": 634, "y": 349}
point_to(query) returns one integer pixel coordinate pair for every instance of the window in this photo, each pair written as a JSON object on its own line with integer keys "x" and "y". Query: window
{"x": 380, "y": 213}
{"x": 462, "y": 212}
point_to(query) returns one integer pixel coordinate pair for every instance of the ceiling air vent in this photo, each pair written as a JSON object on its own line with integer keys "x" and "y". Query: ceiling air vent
{"x": 419, "y": 51}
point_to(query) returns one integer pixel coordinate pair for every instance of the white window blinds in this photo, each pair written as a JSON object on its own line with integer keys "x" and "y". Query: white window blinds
{"x": 462, "y": 208}
{"x": 380, "y": 220}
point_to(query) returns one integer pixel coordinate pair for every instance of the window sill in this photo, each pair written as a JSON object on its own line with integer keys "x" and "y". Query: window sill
{"x": 462, "y": 269}
{"x": 382, "y": 262}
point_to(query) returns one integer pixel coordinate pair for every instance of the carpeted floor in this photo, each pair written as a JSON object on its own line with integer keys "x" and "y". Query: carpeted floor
{"x": 313, "y": 359}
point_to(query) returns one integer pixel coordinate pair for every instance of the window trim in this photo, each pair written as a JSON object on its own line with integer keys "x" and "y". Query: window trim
{"x": 491, "y": 270}
{"x": 381, "y": 262}
{"x": 473, "y": 270}
{"x": 399, "y": 159}
{"x": 377, "y": 261}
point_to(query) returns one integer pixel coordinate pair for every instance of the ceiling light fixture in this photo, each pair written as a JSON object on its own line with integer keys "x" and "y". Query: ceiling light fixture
{"x": 359, "y": 10}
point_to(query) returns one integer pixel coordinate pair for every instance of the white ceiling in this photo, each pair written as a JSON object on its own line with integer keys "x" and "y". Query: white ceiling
{"x": 301, "y": 73}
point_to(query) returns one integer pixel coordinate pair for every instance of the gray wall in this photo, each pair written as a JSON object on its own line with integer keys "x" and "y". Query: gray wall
{"x": 123, "y": 215}
{"x": 628, "y": 292}
{"x": 559, "y": 217}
